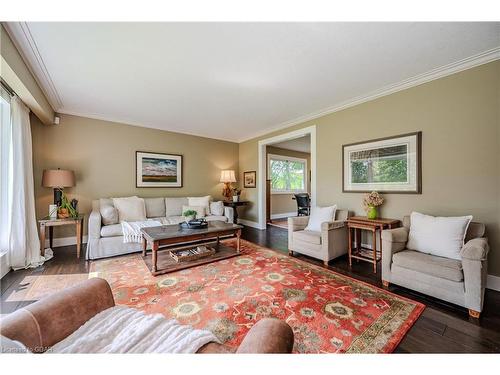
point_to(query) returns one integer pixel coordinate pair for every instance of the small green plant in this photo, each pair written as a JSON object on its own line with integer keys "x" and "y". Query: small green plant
{"x": 189, "y": 213}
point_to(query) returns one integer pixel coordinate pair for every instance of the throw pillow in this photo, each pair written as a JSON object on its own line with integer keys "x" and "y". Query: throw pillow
{"x": 320, "y": 215}
{"x": 201, "y": 201}
{"x": 200, "y": 210}
{"x": 130, "y": 209}
{"x": 109, "y": 214}
{"x": 440, "y": 236}
{"x": 217, "y": 208}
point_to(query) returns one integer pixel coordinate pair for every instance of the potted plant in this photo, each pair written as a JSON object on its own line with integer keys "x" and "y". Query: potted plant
{"x": 236, "y": 194}
{"x": 67, "y": 209}
{"x": 189, "y": 215}
{"x": 370, "y": 203}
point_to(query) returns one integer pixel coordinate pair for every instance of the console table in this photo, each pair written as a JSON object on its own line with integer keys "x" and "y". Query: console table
{"x": 235, "y": 206}
{"x": 355, "y": 225}
{"x": 51, "y": 223}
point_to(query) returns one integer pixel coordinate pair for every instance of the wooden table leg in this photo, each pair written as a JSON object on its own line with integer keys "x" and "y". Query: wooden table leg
{"x": 350, "y": 245}
{"x": 78, "y": 237}
{"x": 155, "y": 255}
{"x": 144, "y": 246}
{"x": 374, "y": 248}
{"x": 238, "y": 235}
{"x": 51, "y": 236}
{"x": 42, "y": 239}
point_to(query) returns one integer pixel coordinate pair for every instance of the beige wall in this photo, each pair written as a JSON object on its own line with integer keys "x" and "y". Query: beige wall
{"x": 283, "y": 203}
{"x": 17, "y": 75}
{"x": 102, "y": 154}
{"x": 460, "y": 120}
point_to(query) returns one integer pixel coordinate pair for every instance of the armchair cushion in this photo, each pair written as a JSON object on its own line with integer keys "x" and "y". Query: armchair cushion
{"x": 108, "y": 211}
{"x": 308, "y": 236}
{"x": 440, "y": 236}
{"x": 476, "y": 249}
{"x": 445, "y": 268}
{"x": 320, "y": 215}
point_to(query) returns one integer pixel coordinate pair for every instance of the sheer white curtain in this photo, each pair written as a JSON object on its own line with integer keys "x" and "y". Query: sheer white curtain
{"x": 23, "y": 243}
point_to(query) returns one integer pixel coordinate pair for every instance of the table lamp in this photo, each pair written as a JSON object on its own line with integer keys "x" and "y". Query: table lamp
{"x": 227, "y": 177}
{"x": 58, "y": 179}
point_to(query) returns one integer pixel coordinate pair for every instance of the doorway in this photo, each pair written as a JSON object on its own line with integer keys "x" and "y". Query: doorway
{"x": 302, "y": 140}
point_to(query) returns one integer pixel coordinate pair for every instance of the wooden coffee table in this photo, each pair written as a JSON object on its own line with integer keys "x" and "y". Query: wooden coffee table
{"x": 174, "y": 237}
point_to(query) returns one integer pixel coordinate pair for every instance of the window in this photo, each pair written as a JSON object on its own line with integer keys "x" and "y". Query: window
{"x": 288, "y": 175}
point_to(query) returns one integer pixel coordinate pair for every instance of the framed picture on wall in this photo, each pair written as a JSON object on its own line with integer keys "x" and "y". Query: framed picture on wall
{"x": 386, "y": 165}
{"x": 250, "y": 179}
{"x": 158, "y": 170}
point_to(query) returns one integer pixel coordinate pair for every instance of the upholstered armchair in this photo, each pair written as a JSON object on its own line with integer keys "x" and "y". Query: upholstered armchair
{"x": 461, "y": 282}
{"x": 326, "y": 245}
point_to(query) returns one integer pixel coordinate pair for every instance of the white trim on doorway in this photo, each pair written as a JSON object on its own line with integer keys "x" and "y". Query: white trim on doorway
{"x": 262, "y": 167}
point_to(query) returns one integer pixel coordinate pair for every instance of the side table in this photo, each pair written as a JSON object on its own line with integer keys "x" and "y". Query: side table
{"x": 355, "y": 225}
{"x": 51, "y": 223}
{"x": 235, "y": 206}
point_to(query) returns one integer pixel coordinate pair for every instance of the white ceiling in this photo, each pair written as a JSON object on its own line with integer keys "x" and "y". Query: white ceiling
{"x": 302, "y": 144}
{"x": 237, "y": 80}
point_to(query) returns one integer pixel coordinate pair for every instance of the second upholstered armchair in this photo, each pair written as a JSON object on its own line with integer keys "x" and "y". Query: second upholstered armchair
{"x": 326, "y": 245}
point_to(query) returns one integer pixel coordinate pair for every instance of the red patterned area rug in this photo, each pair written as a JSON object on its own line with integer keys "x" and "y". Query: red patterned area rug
{"x": 329, "y": 312}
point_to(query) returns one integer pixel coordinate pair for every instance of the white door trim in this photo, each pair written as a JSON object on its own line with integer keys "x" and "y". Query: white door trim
{"x": 262, "y": 167}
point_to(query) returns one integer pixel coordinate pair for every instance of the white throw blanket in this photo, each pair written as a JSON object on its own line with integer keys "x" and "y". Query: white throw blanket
{"x": 132, "y": 229}
{"x": 121, "y": 329}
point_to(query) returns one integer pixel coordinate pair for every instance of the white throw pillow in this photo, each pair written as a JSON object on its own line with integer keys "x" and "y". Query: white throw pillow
{"x": 130, "y": 209}
{"x": 201, "y": 201}
{"x": 217, "y": 208}
{"x": 440, "y": 236}
{"x": 200, "y": 210}
{"x": 109, "y": 214}
{"x": 320, "y": 215}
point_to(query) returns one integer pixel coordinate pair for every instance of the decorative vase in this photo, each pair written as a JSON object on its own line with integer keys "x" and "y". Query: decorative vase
{"x": 372, "y": 212}
{"x": 189, "y": 218}
{"x": 236, "y": 198}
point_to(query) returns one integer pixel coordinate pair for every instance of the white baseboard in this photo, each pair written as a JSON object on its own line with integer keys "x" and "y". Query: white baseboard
{"x": 64, "y": 241}
{"x": 493, "y": 282}
{"x": 283, "y": 215}
{"x": 250, "y": 223}
{"x": 4, "y": 267}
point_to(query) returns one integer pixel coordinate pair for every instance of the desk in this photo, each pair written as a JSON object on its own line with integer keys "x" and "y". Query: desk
{"x": 51, "y": 223}
{"x": 358, "y": 223}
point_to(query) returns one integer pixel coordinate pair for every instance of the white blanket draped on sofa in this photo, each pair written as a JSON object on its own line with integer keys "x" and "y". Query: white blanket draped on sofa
{"x": 121, "y": 329}
{"x": 132, "y": 229}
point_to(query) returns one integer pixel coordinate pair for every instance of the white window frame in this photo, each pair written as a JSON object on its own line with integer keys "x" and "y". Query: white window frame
{"x": 288, "y": 158}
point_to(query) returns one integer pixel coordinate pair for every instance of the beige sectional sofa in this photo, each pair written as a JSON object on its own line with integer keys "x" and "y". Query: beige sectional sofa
{"x": 105, "y": 237}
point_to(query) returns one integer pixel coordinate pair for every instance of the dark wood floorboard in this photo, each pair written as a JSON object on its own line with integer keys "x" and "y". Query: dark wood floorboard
{"x": 442, "y": 327}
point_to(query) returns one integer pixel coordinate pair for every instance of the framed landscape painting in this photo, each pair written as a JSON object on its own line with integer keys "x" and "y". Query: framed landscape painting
{"x": 386, "y": 165}
{"x": 158, "y": 170}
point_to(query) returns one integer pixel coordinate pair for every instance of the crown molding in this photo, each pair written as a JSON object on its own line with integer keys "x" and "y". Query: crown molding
{"x": 443, "y": 71}
{"x": 22, "y": 38}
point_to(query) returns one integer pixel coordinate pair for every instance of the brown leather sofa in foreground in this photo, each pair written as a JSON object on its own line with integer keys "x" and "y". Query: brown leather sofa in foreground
{"x": 48, "y": 321}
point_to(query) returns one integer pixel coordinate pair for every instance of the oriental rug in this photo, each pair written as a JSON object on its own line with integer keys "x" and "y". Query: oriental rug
{"x": 328, "y": 312}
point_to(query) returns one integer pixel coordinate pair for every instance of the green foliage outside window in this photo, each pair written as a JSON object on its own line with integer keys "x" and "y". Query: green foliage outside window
{"x": 287, "y": 175}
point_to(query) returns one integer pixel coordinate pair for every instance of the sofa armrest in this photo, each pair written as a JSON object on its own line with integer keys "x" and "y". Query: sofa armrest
{"x": 475, "y": 249}
{"x": 268, "y": 336}
{"x": 229, "y": 213}
{"x": 393, "y": 241}
{"x": 95, "y": 223}
{"x": 46, "y": 322}
{"x": 297, "y": 223}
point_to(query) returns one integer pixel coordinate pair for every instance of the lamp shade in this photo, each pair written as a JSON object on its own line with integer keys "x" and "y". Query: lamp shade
{"x": 58, "y": 178}
{"x": 227, "y": 176}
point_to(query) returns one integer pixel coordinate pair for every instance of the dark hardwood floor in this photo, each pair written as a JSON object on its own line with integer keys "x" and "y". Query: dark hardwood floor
{"x": 442, "y": 327}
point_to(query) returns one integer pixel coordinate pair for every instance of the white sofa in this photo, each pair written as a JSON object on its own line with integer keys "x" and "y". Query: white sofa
{"x": 107, "y": 240}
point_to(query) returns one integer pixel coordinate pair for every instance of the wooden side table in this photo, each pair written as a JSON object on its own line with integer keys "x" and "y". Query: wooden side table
{"x": 235, "y": 206}
{"x": 358, "y": 223}
{"x": 51, "y": 223}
